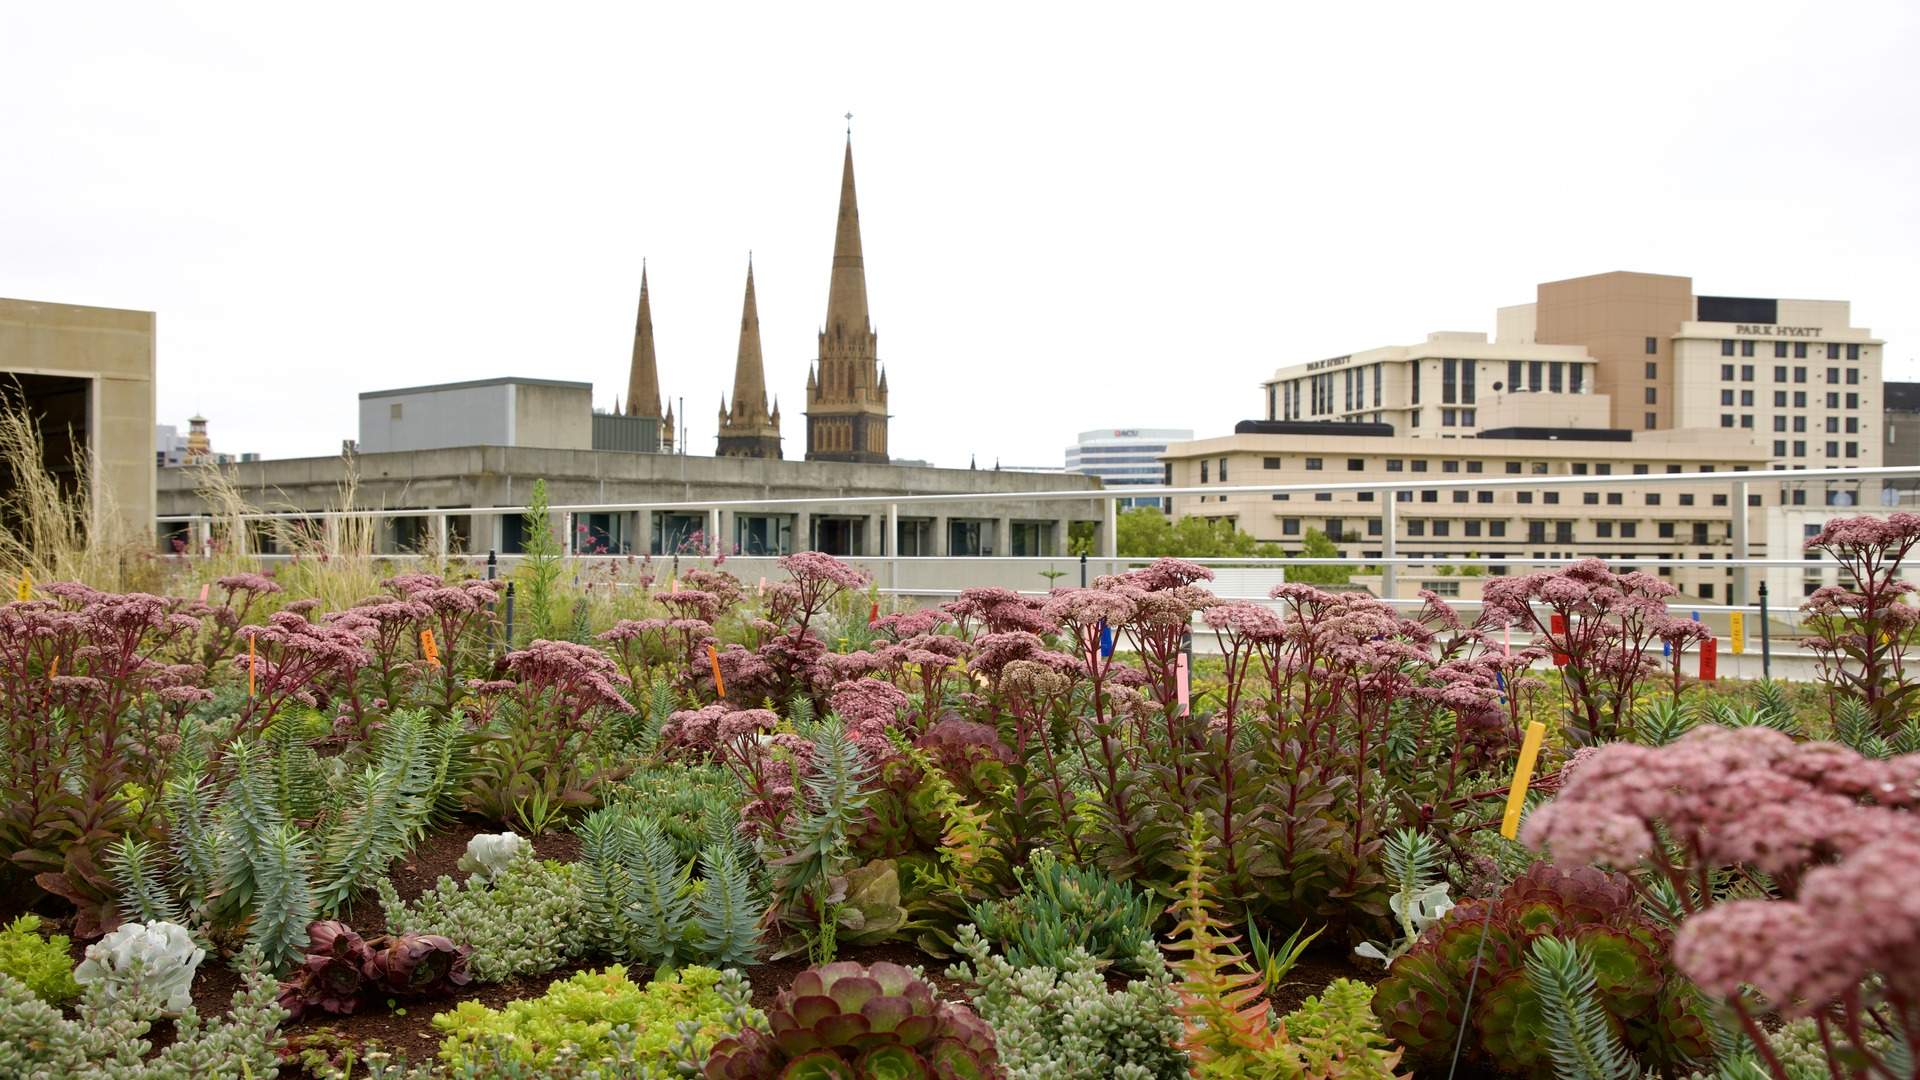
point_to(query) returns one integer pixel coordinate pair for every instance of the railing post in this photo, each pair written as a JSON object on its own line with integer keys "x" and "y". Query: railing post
{"x": 1389, "y": 548}
{"x": 440, "y": 544}
{"x": 1110, "y": 529}
{"x": 713, "y": 529}
{"x": 1740, "y": 546}
{"x": 891, "y": 549}
{"x": 1766, "y": 636}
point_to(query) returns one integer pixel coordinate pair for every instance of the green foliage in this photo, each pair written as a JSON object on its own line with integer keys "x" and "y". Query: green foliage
{"x": 1422, "y": 1001}
{"x": 1316, "y": 545}
{"x": 1336, "y": 1034}
{"x": 542, "y": 561}
{"x": 524, "y": 921}
{"x": 578, "y": 1018}
{"x": 1663, "y": 720}
{"x": 690, "y": 803}
{"x": 388, "y": 805}
{"x": 1582, "y": 1044}
{"x": 1060, "y": 1022}
{"x": 641, "y": 903}
{"x": 283, "y": 897}
{"x": 1063, "y": 909}
{"x": 1412, "y": 861}
{"x": 107, "y": 1041}
{"x": 144, "y": 895}
{"x": 44, "y": 965}
{"x": 1147, "y": 532}
{"x": 814, "y": 848}
{"x": 1274, "y": 963}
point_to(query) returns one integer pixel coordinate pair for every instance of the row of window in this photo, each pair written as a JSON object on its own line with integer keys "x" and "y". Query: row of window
{"x": 1799, "y": 400}
{"x": 1780, "y": 374}
{"x": 1727, "y": 346}
{"x": 1513, "y": 468}
{"x": 1562, "y": 532}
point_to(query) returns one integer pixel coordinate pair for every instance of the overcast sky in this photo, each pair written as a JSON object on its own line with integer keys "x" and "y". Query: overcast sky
{"x": 1075, "y": 215}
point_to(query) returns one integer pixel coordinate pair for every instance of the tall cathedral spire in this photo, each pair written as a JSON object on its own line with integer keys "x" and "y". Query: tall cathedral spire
{"x": 846, "y": 395}
{"x": 643, "y": 377}
{"x": 747, "y": 427}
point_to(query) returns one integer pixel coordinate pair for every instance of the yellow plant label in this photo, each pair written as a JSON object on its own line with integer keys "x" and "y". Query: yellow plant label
{"x": 428, "y": 649}
{"x": 26, "y": 586}
{"x": 1522, "y": 776}
{"x": 1737, "y": 626}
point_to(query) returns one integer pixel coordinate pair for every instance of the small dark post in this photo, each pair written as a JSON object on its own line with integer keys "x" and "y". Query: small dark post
{"x": 1083, "y": 570}
{"x": 509, "y": 641}
{"x": 1766, "y": 637}
{"x": 493, "y": 564}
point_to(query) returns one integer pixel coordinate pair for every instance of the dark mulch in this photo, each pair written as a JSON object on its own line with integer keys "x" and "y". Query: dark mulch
{"x": 1314, "y": 971}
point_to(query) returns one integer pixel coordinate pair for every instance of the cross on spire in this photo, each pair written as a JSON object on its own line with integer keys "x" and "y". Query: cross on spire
{"x": 849, "y": 123}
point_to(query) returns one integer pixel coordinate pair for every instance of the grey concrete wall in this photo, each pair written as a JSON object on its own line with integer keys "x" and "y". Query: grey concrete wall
{"x": 115, "y": 349}
{"x": 557, "y": 417}
{"x": 431, "y": 419}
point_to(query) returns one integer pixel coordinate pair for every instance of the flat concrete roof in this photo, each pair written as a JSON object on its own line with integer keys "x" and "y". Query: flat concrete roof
{"x": 476, "y": 382}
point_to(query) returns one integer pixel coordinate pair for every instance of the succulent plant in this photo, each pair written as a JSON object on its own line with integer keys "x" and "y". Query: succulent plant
{"x": 341, "y": 969}
{"x": 160, "y": 956}
{"x": 1658, "y": 1014}
{"x": 490, "y": 853}
{"x": 849, "y": 1021}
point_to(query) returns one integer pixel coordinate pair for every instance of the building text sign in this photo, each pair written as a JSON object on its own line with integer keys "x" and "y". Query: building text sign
{"x": 1759, "y": 330}
{"x": 1335, "y": 362}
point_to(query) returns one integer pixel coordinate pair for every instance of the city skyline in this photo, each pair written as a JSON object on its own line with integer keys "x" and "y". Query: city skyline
{"x": 1070, "y": 241}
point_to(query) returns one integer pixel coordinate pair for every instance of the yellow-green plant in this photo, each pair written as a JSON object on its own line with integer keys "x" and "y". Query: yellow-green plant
{"x": 43, "y": 964}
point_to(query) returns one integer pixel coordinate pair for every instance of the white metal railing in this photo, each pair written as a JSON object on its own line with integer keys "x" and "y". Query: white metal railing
{"x": 893, "y": 567}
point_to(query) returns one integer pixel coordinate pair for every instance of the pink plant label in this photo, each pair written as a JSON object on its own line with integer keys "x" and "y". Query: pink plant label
{"x": 1181, "y": 683}
{"x": 204, "y": 588}
{"x": 761, "y": 590}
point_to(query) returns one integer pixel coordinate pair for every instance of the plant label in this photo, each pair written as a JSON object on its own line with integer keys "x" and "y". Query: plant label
{"x": 1522, "y": 776}
{"x": 428, "y": 649}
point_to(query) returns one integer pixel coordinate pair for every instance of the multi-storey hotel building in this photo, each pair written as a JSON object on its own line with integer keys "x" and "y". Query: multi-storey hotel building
{"x": 1618, "y": 374}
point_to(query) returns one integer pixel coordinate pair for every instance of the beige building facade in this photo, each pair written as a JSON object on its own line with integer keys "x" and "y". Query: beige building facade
{"x": 87, "y": 376}
{"x": 1532, "y": 513}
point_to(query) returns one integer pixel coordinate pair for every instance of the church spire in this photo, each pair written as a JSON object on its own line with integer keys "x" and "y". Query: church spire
{"x": 847, "y": 294}
{"x": 643, "y": 378}
{"x": 747, "y": 428}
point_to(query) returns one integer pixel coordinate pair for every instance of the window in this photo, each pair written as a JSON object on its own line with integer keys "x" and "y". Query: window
{"x": 1853, "y": 449}
{"x": 1466, "y": 417}
{"x": 1313, "y": 464}
{"x": 1496, "y": 528}
{"x": 1448, "y": 417}
{"x": 1726, "y": 371}
{"x": 1726, "y": 397}
{"x": 1726, "y": 347}
{"x": 1419, "y": 464}
{"x": 1472, "y": 527}
{"x": 1603, "y": 529}
{"x": 1554, "y": 372}
{"x": 1779, "y": 399}
{"x": 1523, "y": 496}
{"x": 393, "y": 411}
{"x": 1653, "y": 398}
{"x": 1706, "y": 590}
{"x": 1513, "y": 468}
{"x": 1779, "y": 350}
{"x": 1799, "y": 448}
{"x": 1833, "y": 425}
{"x": 1289, "y": 526}
{"x": 1799, "y": 350}
{"x": 1780, "y": 373}
{"x": 1779, "y": 446}
{"x": 1485, "y": 496}
{"x": 1395, "y": 464}
{"x": 1853, "y": 376}
{"x": 1442, "y": 528}
{"x": 1746, "y": 349}
{"x": 1653, "y": 498}
{"x": 1536, "y": 532}
{"x": 1746, "y": 371}
{"x": 1270, "y": 463}
{"x": 1590, "y": 498}
{"x": 1475, "y": 466}
{"x": 1833, "y": 401}
{"x": 1853, "y": 352}
{"x": 1415, "y": 368}
{"x": 1833, "y": 352}
{"x": 1450, "y": 466}
{"x": 1416, "y": 527}
{"x": 1746, "y": 399}
{"x": 1614, "y": 498}
{"x": 1699, "y": 532}
{"x": 1430, "y": 495}
{"x": 1533, "y": 375}
{"x": 1726, "y": 419}
{"x": 1373, "y": 526}
{"x": 1563, "y": 532}
{"x": 1203, "y": 472}
{"x": 1853, "y": 401}
{"x": 1318, "y": 496}
{"x": 1640, "y": 469}
{"x": 1779, "y": 422}
{"x": 1800, "y": 373}
{"x": 1223, "y": 470}
{"x": 1799, "y": 423}
{"x": 1653, "y": 349}
{"x": 1833, "y": 449}
{"x": 1539, "y": 468}
{"x": 1686, "y": 498}
{"x": 1653, "y": 369}
{"x": 1746, "y": 421}
{"x": 1551, "y": 498}
{"x": 1666, "y": 530}
{"x": 1853, "y": 425}
{"x": 1355, "y": 464}
{"x": 1650, "y": 420}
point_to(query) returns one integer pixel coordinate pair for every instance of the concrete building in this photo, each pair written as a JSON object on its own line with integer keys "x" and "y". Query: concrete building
{"x": 847, "y": 391}
{"x": 544, "y": 413}
{"x": 86, "y": 375}
{"x": 1900, "y": 417}
{"x": 1479, "y": 526}
{"x": 1795, "y": 375}
{"x": 172, "y": 449}
{"x": 481, "y": 476}
{"x": 1453, "y": 385}
{"x": 1123, "y": 457}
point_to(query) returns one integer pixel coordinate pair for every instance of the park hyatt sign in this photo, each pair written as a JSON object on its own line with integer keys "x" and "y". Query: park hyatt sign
{"x": 1335, "y": 362}
{"x": 1776, "y": 331}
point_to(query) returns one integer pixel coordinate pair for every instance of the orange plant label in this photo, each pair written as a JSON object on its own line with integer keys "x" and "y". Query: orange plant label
{"x": 719, "y": 684}
{"x": 428, "y": 649}
{"x": 250, "y": 667}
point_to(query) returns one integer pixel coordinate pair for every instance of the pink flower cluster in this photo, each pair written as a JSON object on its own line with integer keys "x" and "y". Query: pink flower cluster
{"x": 999, "y": 611}
{"x": 569, "y": 678}
{"x": 1747, "y": 795}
